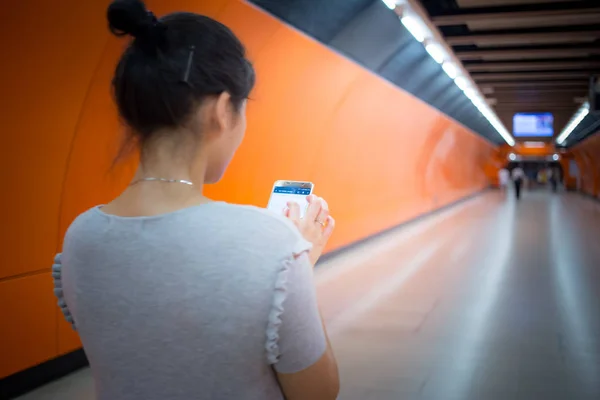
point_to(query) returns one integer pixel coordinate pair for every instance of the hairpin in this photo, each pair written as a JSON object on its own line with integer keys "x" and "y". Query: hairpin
{"x": 186, "y": 75}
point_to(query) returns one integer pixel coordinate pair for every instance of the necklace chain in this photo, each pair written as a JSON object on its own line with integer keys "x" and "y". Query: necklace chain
{"x": 153, "y": 179}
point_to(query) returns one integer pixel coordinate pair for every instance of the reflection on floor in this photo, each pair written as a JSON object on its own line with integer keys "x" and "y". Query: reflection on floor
{"x": 491, "y": 299}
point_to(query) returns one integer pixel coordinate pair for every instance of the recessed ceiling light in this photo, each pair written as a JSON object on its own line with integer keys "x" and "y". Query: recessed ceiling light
{"x": 534, "y": 144}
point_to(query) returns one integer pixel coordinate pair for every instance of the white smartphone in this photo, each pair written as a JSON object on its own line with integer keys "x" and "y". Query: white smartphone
{"x": 286, "y": 191}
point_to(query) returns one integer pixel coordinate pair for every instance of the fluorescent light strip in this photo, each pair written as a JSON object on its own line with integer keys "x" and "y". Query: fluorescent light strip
{"x": 420, "y": 31}
{"x": 481, "y": 106}
{"x": 471, "y": 93}
{"x": 461, "y": 82}
{"x": 583, "y": 111}
{"x": 436, "y": 52}
{"x": 450, "y": 69}
{"x": 390, "y": 3}
{"x": 415, "y": 27}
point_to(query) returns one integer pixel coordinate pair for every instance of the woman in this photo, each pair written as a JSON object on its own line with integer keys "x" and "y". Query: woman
{"x": 175, "y": 296}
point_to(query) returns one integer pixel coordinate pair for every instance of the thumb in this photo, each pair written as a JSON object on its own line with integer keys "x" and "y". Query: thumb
{"x": 293, "y": 211}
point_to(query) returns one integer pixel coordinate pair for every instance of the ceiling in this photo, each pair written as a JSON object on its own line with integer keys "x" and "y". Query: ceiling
{"x": 369, "y": 33}
{"x": 525, "y": 55}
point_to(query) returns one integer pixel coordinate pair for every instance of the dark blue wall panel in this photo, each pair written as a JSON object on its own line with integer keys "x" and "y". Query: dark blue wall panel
{"x": 322, "y": 19}
{"x": 371, "y": 47}
{"x": 372, "y": 35}
{"x": 589, "y": 126}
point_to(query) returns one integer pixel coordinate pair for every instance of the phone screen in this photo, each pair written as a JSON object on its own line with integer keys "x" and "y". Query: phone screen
{"x": 283, "y": 194}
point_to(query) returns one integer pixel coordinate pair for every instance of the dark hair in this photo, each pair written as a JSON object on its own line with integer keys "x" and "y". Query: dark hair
{"x": 172, "y": 65}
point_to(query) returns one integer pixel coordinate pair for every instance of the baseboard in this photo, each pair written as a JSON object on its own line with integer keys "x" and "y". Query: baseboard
{"x": 588, "y": 195}
{"x": 341, "y": 250}
{"x": 34, "y": 377}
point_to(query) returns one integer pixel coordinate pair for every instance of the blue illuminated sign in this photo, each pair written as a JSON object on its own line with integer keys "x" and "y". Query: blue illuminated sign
{"x": 533, "y": 125}
{"x": 291, "y": 190}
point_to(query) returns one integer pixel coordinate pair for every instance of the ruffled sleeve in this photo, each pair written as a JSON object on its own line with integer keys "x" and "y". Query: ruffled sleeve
{"x": 276, "y": 312}
{"x": 58, "y": 289}
{"x": 295, "y": 337}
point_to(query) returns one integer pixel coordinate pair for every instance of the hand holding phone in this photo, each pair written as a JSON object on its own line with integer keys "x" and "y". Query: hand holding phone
{"x": 308, "y": 212}
{"x": 285, "y": 191}
{"x": 316, "y": 226}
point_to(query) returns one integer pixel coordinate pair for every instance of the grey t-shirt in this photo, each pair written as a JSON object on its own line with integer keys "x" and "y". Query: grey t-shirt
{"x": 201, "y": 303}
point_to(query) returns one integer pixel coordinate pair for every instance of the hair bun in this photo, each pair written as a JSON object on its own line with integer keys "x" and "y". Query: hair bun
{"x": 129, "y": 17}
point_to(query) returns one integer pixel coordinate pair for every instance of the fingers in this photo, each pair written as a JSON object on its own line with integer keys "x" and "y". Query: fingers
{"x": 315, "y": 205}
{"x": 323, "y": 214}
{"x": 293, "y": 211}
{"x": 329, "y": 227}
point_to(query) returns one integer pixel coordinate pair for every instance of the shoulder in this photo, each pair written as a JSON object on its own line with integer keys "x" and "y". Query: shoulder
{"x": 82, "y": 222}
{"x": 259, "y": 224}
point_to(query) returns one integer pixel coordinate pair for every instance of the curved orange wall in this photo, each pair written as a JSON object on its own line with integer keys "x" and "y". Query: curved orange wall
{"x": 587, "y": 156}
{"x": 377, "y": 154}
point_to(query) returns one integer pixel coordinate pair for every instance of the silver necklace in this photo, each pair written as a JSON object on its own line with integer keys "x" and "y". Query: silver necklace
{"x": 152, "y": 179}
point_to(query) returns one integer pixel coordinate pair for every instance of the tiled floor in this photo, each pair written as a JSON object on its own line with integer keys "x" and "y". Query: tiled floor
{"x": 502, "y": 301}
{"x": 488, "y": 300}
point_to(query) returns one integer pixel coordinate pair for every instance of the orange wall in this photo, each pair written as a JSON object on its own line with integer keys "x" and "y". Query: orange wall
{"x": 377, "y": 154}
{"x": 587, "y": 156}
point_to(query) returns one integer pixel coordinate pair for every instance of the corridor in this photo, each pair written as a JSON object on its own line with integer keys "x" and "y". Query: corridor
{"x": 415, "y": 115}
{"x": 490, "y": 299}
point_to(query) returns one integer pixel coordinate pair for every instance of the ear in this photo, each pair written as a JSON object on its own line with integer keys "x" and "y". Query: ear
{"x": 222, "y": 111}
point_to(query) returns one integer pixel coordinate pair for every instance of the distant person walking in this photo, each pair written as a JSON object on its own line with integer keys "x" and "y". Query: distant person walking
{"x": 518, "y": 176}
{"x": 503, "y": 180}
{"x": 553, "y": 178}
